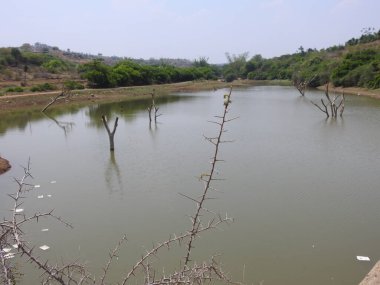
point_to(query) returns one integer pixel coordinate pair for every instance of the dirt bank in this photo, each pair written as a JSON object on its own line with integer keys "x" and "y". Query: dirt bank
{"x": 4, "y": 165}
{"x": 39, "y": 100}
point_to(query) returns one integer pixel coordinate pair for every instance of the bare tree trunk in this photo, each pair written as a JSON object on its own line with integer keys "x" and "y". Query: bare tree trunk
{"x": 65, "y": 94}
{"x": 153, "y": 107}
{"x": 110, "y": 134}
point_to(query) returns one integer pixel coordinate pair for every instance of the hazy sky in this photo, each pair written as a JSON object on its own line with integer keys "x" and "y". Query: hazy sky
{"x": 184, "y": 28}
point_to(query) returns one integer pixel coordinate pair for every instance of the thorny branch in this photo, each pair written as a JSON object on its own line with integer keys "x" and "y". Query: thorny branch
{"x": 216, "y": 141}
{"x": 12, "y": 233}
{"x": 75, "y": 273}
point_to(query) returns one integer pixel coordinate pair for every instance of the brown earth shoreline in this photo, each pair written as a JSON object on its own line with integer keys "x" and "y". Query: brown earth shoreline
{"x": 39, "y": 100}
{"x": 35, "y": 101}
{"x": 4, "y": 165}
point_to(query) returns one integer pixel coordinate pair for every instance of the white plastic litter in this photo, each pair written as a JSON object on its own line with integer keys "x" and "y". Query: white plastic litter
{"x": 15, "y": 245}
{"x": 19, "y": 210}
{"x": 53, "y": 182}
{"x": 9, "y": 255}
{"x": 49, "y": 195}
{"x": 6, "y": 249}
{"x": 362, "y": 258}
{"x": 40, "y": 196}
{"x": 44, "y": 230}
{"x": 37, "y": 186}
{"x": 44, "y": 247}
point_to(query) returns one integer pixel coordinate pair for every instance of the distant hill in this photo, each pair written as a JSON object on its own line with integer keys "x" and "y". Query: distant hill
{"x": 356, "y": 63}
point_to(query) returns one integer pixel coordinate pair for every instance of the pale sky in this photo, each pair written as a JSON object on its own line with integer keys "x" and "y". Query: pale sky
{"x": 184, "y": 28}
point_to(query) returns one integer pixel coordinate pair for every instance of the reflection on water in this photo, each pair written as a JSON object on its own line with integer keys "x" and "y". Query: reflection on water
{"x": 113, "y": 176}
{"x": 65, "y": 126}
{"x": 304, "y": 190}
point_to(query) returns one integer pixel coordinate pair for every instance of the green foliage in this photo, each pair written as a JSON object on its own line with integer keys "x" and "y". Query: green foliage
{"x": 43, "y": 87}
{"x": 98, "y": 74}
{"x": 201, "y": 62}
{"x": 11, "y": 57}
{"x": 236, "y": 67}
{"x": 368, "y": 35}
{"x": 14, "y": 89}
{"x": 55, "y": 65}
{"x": 73, "y": 85}
{"x": 36, "y": 58}
{"x": 359, "y": 68}
{"x": 130, "y": 73}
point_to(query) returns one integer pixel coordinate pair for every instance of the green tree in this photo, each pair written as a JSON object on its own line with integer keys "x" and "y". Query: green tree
{"x": 98, "y": 74}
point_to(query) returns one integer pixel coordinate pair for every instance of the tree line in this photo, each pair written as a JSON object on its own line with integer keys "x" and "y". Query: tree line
{"x": 129, "y": 73}
{"x": 357, "y": 63}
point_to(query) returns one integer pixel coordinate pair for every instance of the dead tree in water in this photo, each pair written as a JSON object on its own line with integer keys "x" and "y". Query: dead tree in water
{"x": 207, "y": 271}
{"x": 75, "y": 273}
{"x": 153, "y": 109}
{"x": 110, "y": 134}
{"x": 64, "y": 95}
{"x": 331, "y": 107}
{"x": 301, "y": 84}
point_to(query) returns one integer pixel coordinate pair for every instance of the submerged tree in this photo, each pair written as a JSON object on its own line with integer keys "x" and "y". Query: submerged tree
{"x": 153, "y": 109}
{"x": 13, "y": 236}
{"x": 65, "y": 94}
{"x": 301, "y": 84}
{"x": 334, "y": 106}
{"x": 111, "y": 134}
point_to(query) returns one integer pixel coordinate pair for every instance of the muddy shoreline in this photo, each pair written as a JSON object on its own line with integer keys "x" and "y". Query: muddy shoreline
{"x": 37, "y": 101}
{"x": 88, "y": 96}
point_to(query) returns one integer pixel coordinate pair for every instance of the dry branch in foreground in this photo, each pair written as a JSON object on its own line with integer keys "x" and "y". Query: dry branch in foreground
{"x": 12, "y": 236}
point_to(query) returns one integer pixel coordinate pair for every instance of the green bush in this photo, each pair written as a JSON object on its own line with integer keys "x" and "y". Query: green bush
{"x": 43, "y": 87}
{"x": 14, "y": 89}
{"x": 230, "y": 77}
{"x": 73, "y": 85}
{"x": 55, "y": 66}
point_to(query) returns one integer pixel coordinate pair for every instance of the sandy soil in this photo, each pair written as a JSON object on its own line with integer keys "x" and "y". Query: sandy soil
{"x": 4, "y": 165}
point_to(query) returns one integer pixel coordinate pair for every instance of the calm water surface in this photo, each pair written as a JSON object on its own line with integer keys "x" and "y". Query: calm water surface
{"x": 304, "y": 191}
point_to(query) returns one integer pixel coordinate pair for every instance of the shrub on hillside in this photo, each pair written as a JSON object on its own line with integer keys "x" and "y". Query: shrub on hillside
{"x": 43, "y": 87}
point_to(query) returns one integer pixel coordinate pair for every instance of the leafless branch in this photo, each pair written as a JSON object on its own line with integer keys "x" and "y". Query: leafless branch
{"x": 331, "y": 104}
{"x": 65, "y": 94}
{"x": 196, "y": 222}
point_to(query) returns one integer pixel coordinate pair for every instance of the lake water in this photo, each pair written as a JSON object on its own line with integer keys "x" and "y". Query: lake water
{"x": 304, "y": 191}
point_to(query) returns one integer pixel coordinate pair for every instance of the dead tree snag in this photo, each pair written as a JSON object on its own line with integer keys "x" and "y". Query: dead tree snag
{"x": 110, "y": 134}
{"x": 331, "y": 107}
